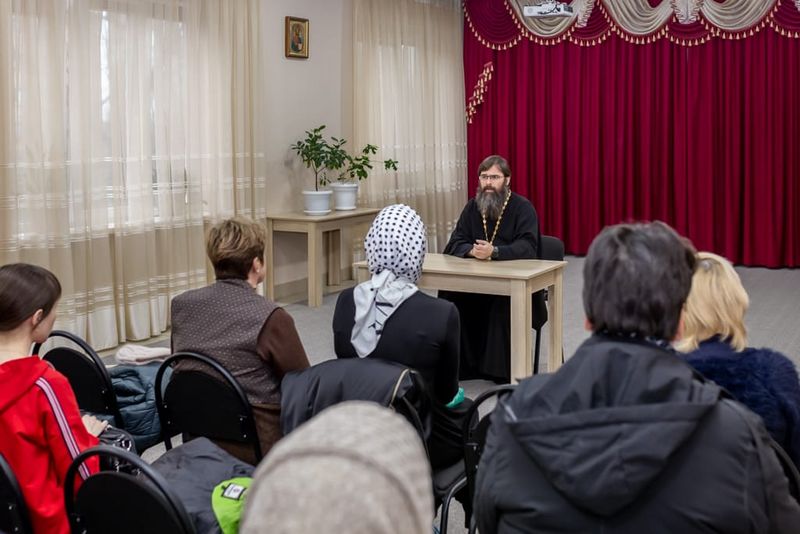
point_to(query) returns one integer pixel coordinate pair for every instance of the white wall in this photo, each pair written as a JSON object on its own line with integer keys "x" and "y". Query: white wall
{"x": 302, "y": 94}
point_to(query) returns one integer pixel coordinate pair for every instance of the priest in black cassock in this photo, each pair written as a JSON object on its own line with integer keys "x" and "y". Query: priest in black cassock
{"x": 496, "y": 225}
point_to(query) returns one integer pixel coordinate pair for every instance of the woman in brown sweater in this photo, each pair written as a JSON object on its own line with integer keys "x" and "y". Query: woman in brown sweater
{"x": 251, "y": 336}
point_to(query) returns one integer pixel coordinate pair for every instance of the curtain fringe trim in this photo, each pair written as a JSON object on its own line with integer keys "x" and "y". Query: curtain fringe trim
{"x": 479, "y": 91}
{"x": 695, "y": 15}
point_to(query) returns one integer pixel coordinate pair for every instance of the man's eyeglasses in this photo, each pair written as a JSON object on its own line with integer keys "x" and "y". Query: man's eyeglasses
{"x": 490, "y": 177}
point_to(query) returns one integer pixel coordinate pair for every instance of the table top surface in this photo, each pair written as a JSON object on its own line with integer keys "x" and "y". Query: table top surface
{"x": 510, "y": 269}
{"x": 332, "y": 216}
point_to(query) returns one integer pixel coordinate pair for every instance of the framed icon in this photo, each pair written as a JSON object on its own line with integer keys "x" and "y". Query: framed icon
{"x": 296, "y": 40}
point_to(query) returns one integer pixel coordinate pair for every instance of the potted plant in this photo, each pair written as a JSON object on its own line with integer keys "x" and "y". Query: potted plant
{"x": 324, "y": 156}
{"x": 313, "y": 151}
{"x": 352, "y": 169}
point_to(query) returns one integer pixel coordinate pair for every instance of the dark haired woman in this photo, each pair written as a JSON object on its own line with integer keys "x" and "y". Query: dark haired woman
{"x": 41, "y": 430}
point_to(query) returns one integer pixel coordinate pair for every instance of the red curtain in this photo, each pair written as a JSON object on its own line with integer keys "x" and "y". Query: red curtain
{"x": 705, "y": 138}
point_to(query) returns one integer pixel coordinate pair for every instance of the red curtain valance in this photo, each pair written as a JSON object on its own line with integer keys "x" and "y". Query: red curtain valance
{"x": 499, "y": 24}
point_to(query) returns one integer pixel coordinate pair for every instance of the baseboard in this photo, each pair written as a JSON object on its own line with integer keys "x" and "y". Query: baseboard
{"x": 288, "y": 291}
{"x": 296, "y": 292}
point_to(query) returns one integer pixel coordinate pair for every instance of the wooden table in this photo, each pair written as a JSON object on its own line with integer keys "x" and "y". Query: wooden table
{"x": 318, "y": 229}
{"x": 517, "y": 279}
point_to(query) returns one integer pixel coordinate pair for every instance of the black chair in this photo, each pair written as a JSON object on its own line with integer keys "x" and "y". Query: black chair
{"x": 14, "y": 517}
{"x": 132, "y": 500}
{"x": 552, "y": 248}
{"x": 204, "y": 401}
{"x": 475, "y": 438}
{"x": 87, "y": 376}
{"x": 447, "y": 481}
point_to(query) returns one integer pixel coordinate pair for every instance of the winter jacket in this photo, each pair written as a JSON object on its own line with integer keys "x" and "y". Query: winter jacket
{"x": 134, "y": 386}
{"x": 41, "y": 432}
{"x": 763, "y": 380}
{"x": 193, "y": 470}
{"x": 627, "y": 438}
{"x": 306, "y": 393}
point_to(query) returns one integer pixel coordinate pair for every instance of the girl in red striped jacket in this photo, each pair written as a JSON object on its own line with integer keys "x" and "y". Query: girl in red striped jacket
{"x": 41, "y": 430}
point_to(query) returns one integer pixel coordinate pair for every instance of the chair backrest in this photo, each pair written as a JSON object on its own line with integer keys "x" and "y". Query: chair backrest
{"x": 306, "y": 393}
{"x": 87, "y": 375}
{"x": 475, "y": 437}
{"x": 132, "y": 500}
{"x": 208, "y": 402}
{"x": 14, "y": 517}
{"x": 552, "y": 248}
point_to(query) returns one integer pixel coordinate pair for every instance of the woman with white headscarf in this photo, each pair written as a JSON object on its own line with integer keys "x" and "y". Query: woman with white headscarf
{"x": 387, "y": 317}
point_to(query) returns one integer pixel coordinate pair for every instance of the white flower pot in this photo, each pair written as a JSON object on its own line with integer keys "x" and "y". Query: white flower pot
{"x": 317, "y": 202}
{"x": 345, "y": 195}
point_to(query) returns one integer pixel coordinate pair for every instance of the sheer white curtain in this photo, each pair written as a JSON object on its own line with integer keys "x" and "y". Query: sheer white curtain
{"x": 125, "y": 126}
{"x": 409, "y": 100}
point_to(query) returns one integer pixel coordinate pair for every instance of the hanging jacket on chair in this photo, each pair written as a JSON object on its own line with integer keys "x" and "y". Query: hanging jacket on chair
{"x": 134, "y": 386}
{"x": 306, "y": 393}
{"x": 626, "y": 438}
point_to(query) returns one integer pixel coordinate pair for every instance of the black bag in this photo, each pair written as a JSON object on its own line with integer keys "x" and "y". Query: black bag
{"x": 115, "y": 437}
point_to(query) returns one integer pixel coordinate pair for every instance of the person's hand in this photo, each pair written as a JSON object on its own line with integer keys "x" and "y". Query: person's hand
{"x": 482, "y": 250}
{"x": 94, "y": 425}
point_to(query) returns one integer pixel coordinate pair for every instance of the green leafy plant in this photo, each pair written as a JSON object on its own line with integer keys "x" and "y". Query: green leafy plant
{"x": 323, "y": 156}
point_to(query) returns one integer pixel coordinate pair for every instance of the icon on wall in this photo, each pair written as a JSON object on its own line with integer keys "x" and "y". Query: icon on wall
{"x": 296, "y": 40}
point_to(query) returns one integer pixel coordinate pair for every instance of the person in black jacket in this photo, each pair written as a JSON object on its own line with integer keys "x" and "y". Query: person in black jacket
{"x": 626, "y": 437}
{"x": 387, "y": 317}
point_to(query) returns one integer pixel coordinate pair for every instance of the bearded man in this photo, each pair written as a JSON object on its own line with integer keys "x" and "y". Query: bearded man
{"x": 495, "y": 225}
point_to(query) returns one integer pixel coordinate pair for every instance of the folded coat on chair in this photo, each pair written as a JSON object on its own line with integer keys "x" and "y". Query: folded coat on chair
{"x": 306, "y": 393}
{"x": 134, "y": 386}
{"x": 193, "y": 470}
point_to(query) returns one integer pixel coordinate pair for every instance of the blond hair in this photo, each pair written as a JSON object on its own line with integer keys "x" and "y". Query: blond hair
{"x": 716, "y": 304}
{"x": 233, "y": 244}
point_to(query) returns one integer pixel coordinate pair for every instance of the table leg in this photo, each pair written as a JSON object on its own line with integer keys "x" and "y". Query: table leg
{"x": 334, "y": 238}
{"x": 555, "y": 297}
{"x": 269, "y": 261}
{"x": 314, "y": 263}
{"x": 521, "y": 365}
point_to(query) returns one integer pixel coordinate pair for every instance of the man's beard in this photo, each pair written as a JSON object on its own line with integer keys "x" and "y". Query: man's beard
{"x": 491, "y": 202}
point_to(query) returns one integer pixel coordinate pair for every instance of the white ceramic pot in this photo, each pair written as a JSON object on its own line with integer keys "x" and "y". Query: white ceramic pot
{"x": 345, "y": 195}
{"x": 317, "y": 202}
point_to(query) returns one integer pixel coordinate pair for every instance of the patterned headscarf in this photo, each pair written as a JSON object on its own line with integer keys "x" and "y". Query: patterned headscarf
{"x": 395, "y": 247}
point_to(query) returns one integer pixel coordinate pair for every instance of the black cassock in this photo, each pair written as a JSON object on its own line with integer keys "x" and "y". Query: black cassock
{"x": 486, "y": 319}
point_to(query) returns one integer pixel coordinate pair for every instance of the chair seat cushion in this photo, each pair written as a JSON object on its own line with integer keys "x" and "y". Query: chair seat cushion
{"x": 444, "y": 479}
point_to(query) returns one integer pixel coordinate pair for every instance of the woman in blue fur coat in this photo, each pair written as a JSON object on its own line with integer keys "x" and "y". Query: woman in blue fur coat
{"x": 714, "y": 335}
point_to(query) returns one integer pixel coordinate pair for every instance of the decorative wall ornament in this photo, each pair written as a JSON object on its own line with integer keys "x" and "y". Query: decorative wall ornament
{"x": 295, "y": 41}
{"x": 686, "y": 11}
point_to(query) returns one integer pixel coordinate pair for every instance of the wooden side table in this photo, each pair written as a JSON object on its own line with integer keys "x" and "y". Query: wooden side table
{"x": 319, "y": 229}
